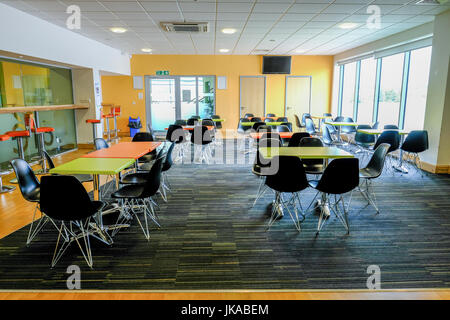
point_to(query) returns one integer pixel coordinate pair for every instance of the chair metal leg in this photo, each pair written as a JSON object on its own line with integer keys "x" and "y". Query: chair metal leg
{"x": 261, "y": 190}
{"x": 369, "y": 194}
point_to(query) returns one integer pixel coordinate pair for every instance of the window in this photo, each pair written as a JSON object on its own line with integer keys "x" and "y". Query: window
{"x": 417, "y": 89}
{"x": 390, "y": 89}
{"x": 348, "y": 91}
{"x": 366, "y": 90}
{"x": 334, "y": 106}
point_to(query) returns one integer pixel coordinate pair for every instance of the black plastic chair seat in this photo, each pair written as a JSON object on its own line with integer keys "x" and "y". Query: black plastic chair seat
{"x": 256, "y": 169}
{"x": 147, "y": 158}
{"x": 34, "y": 195}
{"x": 129, "y": 191}
{"x": 313, "y": 168}
{"x": 98, "y": 205}
{"x": 365, "y": 144}
{"x": 368, "y": 173}
{"x": 84, "y": 177}
{"x": 135, "y": 178}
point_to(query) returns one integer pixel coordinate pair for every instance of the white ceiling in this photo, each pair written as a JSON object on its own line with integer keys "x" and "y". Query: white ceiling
{"x": 280, "y": 26}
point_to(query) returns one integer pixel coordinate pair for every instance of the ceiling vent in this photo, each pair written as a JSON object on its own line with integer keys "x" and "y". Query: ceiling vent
{"x": 182, "y": 27}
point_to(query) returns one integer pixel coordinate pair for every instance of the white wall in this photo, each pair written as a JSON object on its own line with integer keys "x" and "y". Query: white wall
{"x": 25, "y": 34}
{"x": 419, "y": 32}
{"x": 437, "y": 114}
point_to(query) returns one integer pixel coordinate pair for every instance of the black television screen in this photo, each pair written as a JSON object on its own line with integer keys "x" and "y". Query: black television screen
{"x": 276, "y": 64}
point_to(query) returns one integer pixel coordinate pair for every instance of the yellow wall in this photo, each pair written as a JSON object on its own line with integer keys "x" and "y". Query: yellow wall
{"x": 119, "y": 89}
{"x": 14, "y": 96}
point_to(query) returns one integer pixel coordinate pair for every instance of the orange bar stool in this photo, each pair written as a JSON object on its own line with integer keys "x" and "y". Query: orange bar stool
{"x": 5, "y": 189}
{"x": 94, "y": 122}
{"x": 39, "y": 132}
{"x": 116, "y": 113}
{"x": 18, "y": 136}
{"x": 106, "y": 117}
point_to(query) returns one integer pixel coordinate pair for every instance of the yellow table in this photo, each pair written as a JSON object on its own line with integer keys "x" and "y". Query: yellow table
{"x": 380, "y": 131}
{"x": 320, "y": 118}
{"x": 306, "y": 152}
{"x": 402, "y": 133}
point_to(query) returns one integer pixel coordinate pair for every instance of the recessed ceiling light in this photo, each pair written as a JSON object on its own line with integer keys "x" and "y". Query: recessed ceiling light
{"x": 348, "y": 25}
{"x": 300, "y": 51}
{"x": 146, "y": 50}
{"x": 228, "y": 30}
{"x": 118, "y": 29}
{"x": 224, "y": 50}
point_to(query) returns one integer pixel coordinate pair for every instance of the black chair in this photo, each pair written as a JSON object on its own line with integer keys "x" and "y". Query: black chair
{"x": 145, "y": 137}
{"x": 168, "y": 162}
{"x": 201, "y": 138}
{"x": 390, "y": 137}
{"x": 327, "y": 115}
{"x": 287, "y": 124}
{"x": 304, "y": 117}
{"x": 290, "y": 177}
{"x": 255, "y": 119}
{"x": 363, "y": 140}
{"x": 296, "y": 138}
{"x": 249, "y": 115}
{"x": 218, "y": 124}
{"x": 348, "y": 130}
{"x": 192, "y": 121}
{"x": 283, "y": 128}
{"x": 270, "y": 115}
{"x": 310, "y": 128}
{"x": 72, "y": 208}
{"x": 326, "y": 119}
{"x": 81, "y": 177}
{"x": 196, "y": 117}
{"x": 100, "y": 143}
{"x": 31, "y": 190}
{"x": 415, "y": 143}
{"x": 208, "y": 122}
{"x": 339, "y": 119}
{"x": 312, "y": 166}
{"x": 372, "y": 171}
{"x": 175, "y": 133}
{"x": 242, "y": 129}
{"x": 341, "y": 176}
{"x": 180, "y": 122}
{"x": 297, "y": 122}
{"x": 256, "y": 126}
{"x": 269, "y": 120}
{"x": 327, "y": 137}
{"x": 268, "y": 140}
{"x": 390, "y": 126}
{"x": 142, "y": 194}
{"x": 282, "y": 119}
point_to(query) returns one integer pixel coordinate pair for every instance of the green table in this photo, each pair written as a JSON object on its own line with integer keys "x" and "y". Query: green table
{"x": 96, "y": 167}
{"x": 325, "y": 153}
{"x": 380, "y": 131}
{"x": 306, "y": 152}
{"x": 250, "y": 124}
{"x": 218, "y": 120}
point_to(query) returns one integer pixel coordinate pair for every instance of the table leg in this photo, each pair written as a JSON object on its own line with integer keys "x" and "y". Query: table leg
{"x": 399, "y": 167}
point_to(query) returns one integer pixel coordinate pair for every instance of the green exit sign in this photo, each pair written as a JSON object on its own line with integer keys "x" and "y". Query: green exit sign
{"x": 162, "y": 73}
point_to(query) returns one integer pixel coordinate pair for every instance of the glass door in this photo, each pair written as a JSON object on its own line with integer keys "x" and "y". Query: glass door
{"x": 178, "y": 97}
{"x": 162, "y": 101}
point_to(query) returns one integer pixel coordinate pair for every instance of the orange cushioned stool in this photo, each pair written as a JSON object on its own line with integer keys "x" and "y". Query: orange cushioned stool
{"x": 39, "y": 132}
{"x": 108, "y": 131}
{"x": 94, "y": 132}
{"x": 5, "y": 189}
{"x": 19, "y": 135}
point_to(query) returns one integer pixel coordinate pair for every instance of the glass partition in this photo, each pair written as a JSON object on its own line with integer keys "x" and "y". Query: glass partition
{"x": 390, "y": 89}
{"x": 348, "y": 91}
{"x": 29, "y": 84}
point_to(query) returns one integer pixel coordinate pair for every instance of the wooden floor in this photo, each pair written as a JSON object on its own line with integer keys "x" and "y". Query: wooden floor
{"x": 15, "y": 213}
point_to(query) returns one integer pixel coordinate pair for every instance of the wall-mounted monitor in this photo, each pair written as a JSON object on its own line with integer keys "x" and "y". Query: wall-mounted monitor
{"x": 276, "y": 65}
